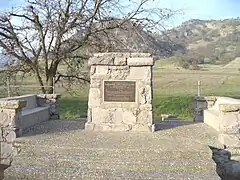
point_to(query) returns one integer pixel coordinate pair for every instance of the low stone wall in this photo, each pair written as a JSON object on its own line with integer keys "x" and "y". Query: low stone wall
{"x": 200, "y": 104}
{"x": 10, "y": 117}
{"x": 229, "y": 129}
{"x": 223, "y": 114}
{"x": 51, "y": 101}
{"x": 120, "y": 95}
{"x": 38, "y": 108}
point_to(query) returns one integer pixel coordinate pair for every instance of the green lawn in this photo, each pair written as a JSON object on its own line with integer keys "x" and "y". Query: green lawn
{"x": 180, "y": 107}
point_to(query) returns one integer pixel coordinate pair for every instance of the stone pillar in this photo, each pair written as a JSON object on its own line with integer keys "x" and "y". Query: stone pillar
{"x": 120, "y": 95}
{"x": 10, "y": 122}
{"x": 229, "y": 128}
{"x": 201, "y": 103}
{"x": 51, "y": 101}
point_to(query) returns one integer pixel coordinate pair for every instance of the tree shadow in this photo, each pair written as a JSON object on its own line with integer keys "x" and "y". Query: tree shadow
{"x": 226, "y": 168}
{"x": 169, "y": 124}
{"x": 55, "y": 126}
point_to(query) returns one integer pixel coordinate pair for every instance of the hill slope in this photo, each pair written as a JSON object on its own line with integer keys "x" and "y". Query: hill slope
{"x": 216, "y": 41}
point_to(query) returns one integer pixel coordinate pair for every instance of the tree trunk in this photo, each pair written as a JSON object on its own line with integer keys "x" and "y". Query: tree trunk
{"x": 40, "y": 82}
{"x": 50, "y": 83}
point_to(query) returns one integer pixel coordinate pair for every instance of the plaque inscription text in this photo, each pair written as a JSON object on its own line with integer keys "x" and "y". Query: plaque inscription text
{"x": 119, "y": 91}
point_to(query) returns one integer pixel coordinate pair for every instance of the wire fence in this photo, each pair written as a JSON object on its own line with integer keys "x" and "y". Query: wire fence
{"x": 12, "y": 89}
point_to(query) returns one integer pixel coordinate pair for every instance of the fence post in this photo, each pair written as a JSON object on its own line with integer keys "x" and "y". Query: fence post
{"x": 53, "y": 85}
{"x": 199, "y": 88}
{"x": 8, "y": 87}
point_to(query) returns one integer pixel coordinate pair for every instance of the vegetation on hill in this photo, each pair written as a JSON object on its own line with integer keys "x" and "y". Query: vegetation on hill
{"x": 214, "y": 42}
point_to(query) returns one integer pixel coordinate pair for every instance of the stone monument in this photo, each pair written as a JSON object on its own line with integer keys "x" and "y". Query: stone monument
{"x": 120, "y": 94}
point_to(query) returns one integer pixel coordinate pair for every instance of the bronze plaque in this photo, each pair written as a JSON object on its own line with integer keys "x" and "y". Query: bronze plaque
{"x": 119, "y": 91}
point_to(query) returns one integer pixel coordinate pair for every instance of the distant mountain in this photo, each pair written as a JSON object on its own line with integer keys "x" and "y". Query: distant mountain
{"x": 129, "y": 38}
{"x": 192, "y": 43}
{"x": 215, "y": 41}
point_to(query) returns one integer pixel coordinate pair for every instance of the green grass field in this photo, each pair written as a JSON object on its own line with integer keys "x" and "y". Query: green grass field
{"x": 174, "y": 90}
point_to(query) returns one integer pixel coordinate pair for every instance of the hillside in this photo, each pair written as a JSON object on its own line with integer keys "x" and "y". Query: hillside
{"x": 128, "y": 38}
{"x": 215, "y": 42}
{"x": 192, "y": 43}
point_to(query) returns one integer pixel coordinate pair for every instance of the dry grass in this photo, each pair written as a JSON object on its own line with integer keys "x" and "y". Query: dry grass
{"x": 174, "y": 89}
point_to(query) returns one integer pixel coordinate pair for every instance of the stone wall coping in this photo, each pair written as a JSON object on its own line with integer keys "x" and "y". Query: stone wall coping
{"x": 229, "y": 107}
{"x": 49, "y": 96}
{"x": 205, "y": 98}
{"x": 114, "y": 59}
{"x": 18, "y": 97}
{"x": 12, "y": 104}
{"x": 122, "y": 54}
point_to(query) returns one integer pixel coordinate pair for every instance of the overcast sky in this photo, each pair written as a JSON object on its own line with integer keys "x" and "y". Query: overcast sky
{"x": 194, "y": 9}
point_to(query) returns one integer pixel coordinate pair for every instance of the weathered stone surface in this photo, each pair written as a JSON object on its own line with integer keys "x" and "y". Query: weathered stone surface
{"x": 146, "y": 107}
{"x": 140, "y": 73}
{"x": 49, "y": 96}
{"x": 101, "y": 60}
{"x": 89, "y": 115}
{"x": 145, "y": 117}
{"x": 229, "y": 107}
{"x": 12, "y": 104}
{"x": 145, "y": 95}
{"x": 51, "y": 101}
{"x": 141, "y": 128}
{"x": 229, "y": 140}
{"x": 140, "y": 55}
{"x": 115, "y": 54}
{"x": 140, "y": 61}
{"x": 94, "y": 97}
{"x": 200, "y": 104}
{"x": 229, "y": 123}
{"x": 120, "y": 116}
{"x": 8, "y": 135}
{"x": 100, "y": 115}
{"x": 95, "y": 83}
{"x": 101, "y": 70}
{"x": 120, "y": 61}
{"x": 89, "y": 126}
{"x": 123, "y": 116}
{"x": 92, "y": 70}
{"x": 119, "y": 72}
{"x": 6, "y": 149}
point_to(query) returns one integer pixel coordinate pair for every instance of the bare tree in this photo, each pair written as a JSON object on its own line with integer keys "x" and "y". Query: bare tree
{"x": 40, "y": 35}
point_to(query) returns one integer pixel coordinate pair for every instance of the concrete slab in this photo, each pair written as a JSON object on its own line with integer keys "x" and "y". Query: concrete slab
{"x": 63, "y": 150}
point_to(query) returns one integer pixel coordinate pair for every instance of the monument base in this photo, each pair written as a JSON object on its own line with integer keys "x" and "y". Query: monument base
{"x": 118, "y": 127}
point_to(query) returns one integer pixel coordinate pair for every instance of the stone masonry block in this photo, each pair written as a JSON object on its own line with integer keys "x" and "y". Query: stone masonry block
{"x": 6, "y": 150}
{"x": 229, "y": 122}
{"x": 140, "y": 73}
{"x": 136, "y": 54}
{"x": 100, "y": 115}
{"x": 13, "y": 104}
{"x": 94, "y": 97}
{"x": 140, "y": 61}
{"x": 120, "y": 61}
{"x": 119, "y": 72}
{"x": 95, "y": 83}
{"x": 141, "y": 128}
{"x": 123, "y": 116}
{"x": 145, "y": 95}
{"x": 229, "y": 140}
{"x": 145, "y": 117}
{"x": 101, "y": 70}
{"x": 101, "y": 60}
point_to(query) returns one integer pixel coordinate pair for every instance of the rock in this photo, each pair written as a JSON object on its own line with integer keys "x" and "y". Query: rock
{"x": 226, "y": 168}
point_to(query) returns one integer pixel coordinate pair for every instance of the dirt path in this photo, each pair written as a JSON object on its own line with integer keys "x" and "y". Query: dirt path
{"x": 63, "y": 150}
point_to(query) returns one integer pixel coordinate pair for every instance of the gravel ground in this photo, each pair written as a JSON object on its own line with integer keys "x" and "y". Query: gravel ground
{"x": 63, "y": 150}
